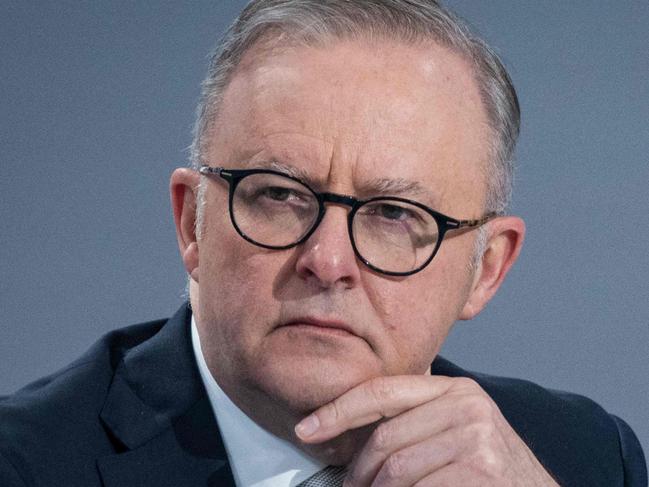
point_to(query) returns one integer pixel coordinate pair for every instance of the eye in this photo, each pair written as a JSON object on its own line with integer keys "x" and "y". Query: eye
{"x": 277, "y": 193}
{"x": 393, "y": 212}
{"x": 390, "y": 212}
{"x": 280, "y": 195}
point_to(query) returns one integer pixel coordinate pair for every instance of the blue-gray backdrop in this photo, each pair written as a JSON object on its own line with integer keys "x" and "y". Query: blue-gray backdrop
{"x": 97, "y": 101}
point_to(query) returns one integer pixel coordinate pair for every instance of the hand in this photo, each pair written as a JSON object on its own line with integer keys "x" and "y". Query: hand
{"x": 432, "y": 430}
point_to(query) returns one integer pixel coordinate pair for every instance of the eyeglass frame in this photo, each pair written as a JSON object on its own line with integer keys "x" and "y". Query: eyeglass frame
{"x": 444, "y": 222}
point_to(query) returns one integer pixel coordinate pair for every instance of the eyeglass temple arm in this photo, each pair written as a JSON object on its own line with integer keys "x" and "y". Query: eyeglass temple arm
{"x": 210, "y": 170}
{"x": 476, "y": 223}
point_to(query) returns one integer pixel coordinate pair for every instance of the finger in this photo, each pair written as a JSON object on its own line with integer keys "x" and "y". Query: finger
{"x": 409, "y": 465}
{"x": 375, "y": 399}
{"x": 407, "y": 429}
{"x": 456, "y": 475}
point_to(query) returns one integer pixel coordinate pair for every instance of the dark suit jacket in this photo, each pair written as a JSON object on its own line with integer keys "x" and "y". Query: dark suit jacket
{"x": 133, "y": 412}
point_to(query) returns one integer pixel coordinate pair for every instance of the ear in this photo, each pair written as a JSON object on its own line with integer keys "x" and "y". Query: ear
{"x": 505, "y": 240}
{"x": 183, "y": 188}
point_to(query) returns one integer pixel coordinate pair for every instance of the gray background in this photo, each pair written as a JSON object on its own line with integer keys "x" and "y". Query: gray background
{"x": 97, "y": 102}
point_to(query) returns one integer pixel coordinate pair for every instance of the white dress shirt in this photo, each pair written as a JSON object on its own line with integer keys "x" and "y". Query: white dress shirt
{"x": 257, "y": 457}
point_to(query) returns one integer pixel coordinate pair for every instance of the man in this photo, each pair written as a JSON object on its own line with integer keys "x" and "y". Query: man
{"x": 351, "y": 168}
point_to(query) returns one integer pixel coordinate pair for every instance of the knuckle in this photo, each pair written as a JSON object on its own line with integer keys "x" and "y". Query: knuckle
{"x": 381, "y": 438}
{"x": 333, "y": 412}
{"x": 383, "y": 392}
{"x": 486, "y": 461}
{"x": 394, "y": 467}
{"x": 483, "y": 454}
{"x": 466, "y": 384}
{"x": 481, "y": 433}
{"x": 381, "y": 388}
{"x": 478, "y": 407}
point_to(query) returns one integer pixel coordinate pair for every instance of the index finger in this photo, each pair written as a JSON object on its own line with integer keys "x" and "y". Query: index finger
{"x": 370, "y": 401}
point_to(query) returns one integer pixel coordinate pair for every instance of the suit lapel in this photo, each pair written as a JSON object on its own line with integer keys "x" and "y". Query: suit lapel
{"x": 158, "y": 415}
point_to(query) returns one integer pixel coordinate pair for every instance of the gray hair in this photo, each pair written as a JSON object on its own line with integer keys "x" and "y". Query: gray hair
{"x": 317, "y": 21}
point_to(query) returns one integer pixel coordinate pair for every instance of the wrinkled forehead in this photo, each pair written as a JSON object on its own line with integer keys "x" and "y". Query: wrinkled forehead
{"x": 350, "y": 110}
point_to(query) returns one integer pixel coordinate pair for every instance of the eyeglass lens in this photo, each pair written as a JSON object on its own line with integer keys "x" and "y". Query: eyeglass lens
{"x": 276, "y": 211}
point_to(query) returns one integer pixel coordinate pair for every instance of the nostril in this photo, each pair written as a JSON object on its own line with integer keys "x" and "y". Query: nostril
{"x": 330, "y": 263}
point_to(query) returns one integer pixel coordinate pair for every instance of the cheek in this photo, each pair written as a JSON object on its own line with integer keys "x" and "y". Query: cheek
{"x": 235, "y": 283}
{"x": 228, "y": 263}
{"x": 418, "y": 298}
{"x": 418, "y": 313}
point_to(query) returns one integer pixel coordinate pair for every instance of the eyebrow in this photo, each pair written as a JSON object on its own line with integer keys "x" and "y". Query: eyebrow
{"x": 373, "y": 187}
{"x": 293, "y": 171}
{"x": 397, "y": 187}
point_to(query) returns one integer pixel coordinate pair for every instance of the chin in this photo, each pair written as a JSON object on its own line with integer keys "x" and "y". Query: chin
{"x": 303, "y": 386}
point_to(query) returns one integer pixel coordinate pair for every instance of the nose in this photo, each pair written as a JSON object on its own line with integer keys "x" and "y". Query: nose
{"x": 327, "y": 257}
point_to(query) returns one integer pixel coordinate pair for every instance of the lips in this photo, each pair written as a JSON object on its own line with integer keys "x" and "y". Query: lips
{"x": 326, "y": 325}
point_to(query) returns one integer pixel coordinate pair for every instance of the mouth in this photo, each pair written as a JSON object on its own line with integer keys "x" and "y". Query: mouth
{"x": 320, "y": 326}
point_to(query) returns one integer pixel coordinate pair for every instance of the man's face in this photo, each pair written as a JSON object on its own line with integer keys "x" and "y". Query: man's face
{"x": 349, "y": 116}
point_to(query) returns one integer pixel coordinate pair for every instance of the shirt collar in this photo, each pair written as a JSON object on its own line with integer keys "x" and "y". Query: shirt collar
{"x": 257, "y": 457}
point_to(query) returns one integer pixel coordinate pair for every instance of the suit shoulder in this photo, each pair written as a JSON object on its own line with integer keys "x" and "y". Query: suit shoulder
{"x": 526, "y": 398}
{"x": 47, "y": 414}
{"x": 87, "y": 373}
{"x": 572, "y": 435}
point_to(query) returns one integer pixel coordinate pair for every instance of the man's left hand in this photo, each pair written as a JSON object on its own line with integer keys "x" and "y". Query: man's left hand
{"x": 432, "y": 430}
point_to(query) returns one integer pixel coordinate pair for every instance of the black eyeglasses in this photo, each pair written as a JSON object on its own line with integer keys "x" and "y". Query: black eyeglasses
{"x": 390, "y": 235}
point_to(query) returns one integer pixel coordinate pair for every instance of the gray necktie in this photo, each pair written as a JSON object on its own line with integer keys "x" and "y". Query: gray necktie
{"x": 327, "y": 477}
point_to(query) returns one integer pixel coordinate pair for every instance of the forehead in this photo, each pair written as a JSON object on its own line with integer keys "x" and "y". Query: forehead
{"x": 350, "y": 111}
